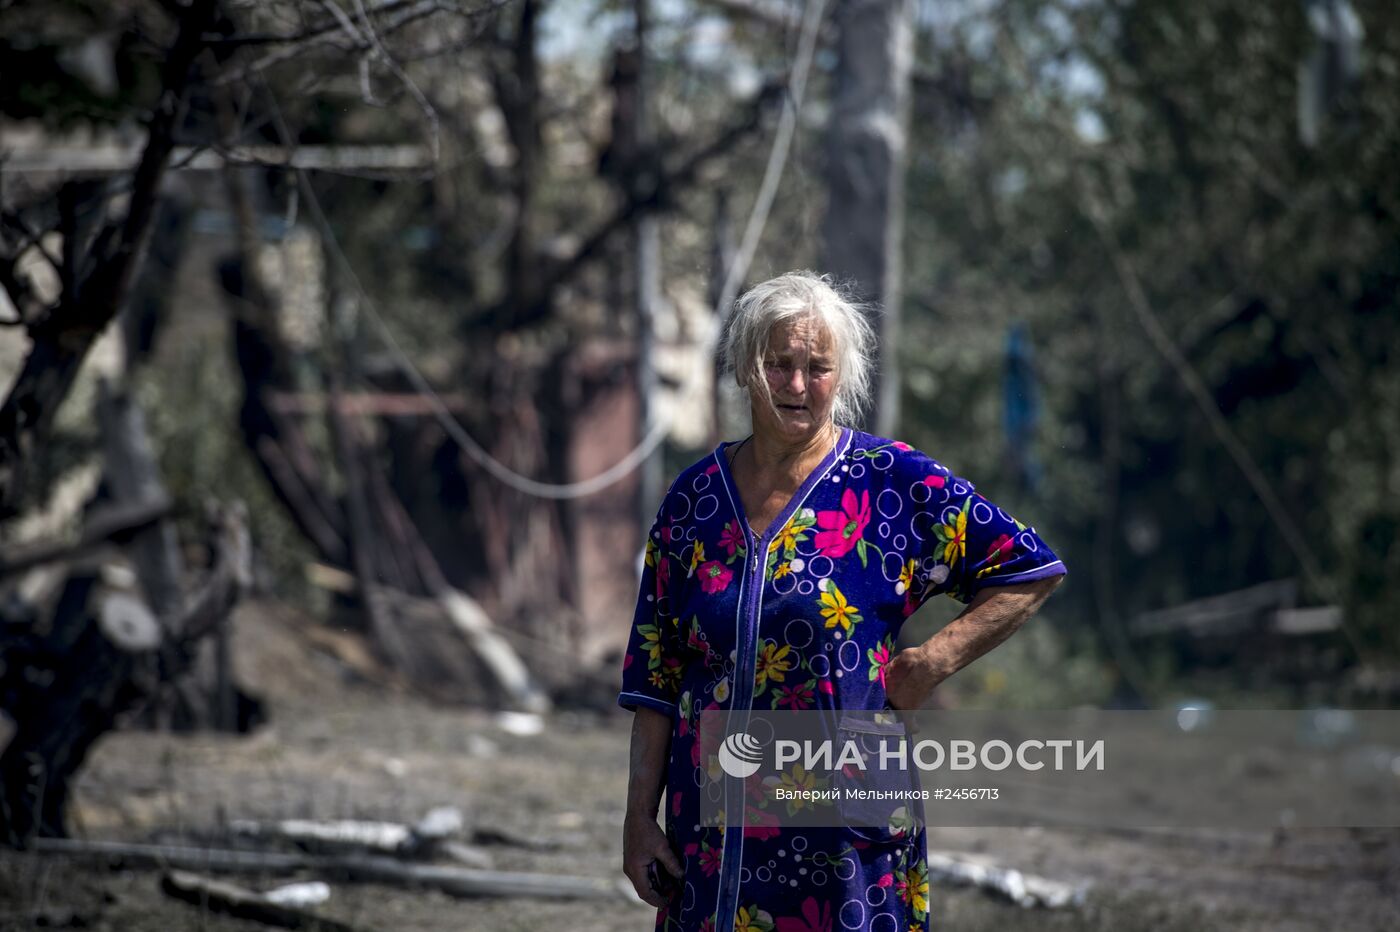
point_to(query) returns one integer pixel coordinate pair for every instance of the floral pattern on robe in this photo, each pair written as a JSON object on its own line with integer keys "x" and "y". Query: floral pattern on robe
{"x": 803, "y": 615}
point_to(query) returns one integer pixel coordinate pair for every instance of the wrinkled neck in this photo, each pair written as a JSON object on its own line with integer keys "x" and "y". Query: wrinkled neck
{"x": 780, "y": 462}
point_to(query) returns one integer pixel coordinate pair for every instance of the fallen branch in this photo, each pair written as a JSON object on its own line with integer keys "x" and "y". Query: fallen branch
{"x": 509, "y": 671}
{"x": 462, "y": 882}
{"x": 1025, "y": 890}
{"x": 105, "y": 524}
{"x": 330, "y": 837}
{"x": 432, "y": 836}
{"x": 228, "y": 899}
{"x": 465, "y": 855}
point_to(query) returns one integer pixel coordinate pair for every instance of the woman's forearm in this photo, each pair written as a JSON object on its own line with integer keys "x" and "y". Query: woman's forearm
{"x": 994, "y": 615}
{"x": 651, "y": 742}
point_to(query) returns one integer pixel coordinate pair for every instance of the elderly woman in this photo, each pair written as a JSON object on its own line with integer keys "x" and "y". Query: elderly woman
{"x": 778, "y": 574}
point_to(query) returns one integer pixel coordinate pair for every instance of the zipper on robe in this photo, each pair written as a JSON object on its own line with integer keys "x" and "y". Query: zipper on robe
{"x": 745, "y": 667}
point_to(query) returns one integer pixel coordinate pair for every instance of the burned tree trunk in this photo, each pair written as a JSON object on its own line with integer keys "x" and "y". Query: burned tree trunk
{"x": 102, "y": 654}
{"x": 106, "y": 651}
{"x": 64, "y": 690}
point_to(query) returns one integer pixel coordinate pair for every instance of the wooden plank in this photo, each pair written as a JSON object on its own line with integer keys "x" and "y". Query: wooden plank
{"x": 1227, "y": 613}
{"x": 219, "y": 896}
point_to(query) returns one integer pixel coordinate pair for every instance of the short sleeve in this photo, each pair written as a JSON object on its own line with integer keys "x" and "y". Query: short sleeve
{"x": 652, "y": 665}
{"x": 968, "y": 543}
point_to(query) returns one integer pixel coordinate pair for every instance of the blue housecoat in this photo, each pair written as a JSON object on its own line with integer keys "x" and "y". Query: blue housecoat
{"x": 804, "y": 615}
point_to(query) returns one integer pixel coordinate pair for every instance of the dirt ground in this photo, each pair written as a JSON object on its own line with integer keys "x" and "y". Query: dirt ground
{"x": 337, "y": 748}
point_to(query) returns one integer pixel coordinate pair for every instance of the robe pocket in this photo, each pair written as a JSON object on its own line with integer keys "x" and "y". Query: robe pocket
{"x": 878, "y": 802}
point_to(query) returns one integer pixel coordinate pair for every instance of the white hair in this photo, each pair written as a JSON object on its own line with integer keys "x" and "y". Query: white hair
{"x": 796, "y": 295}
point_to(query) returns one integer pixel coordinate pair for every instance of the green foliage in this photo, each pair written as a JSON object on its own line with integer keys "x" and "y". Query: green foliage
{"x": 1274, "y": 268}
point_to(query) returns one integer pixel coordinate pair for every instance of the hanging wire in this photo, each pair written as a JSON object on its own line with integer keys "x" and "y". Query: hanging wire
{"x": 738, "y": 269}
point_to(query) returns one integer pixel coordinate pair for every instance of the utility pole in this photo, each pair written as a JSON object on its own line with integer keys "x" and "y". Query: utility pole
{"x": 867, "y": 138}
{"x": 646, "y": 235}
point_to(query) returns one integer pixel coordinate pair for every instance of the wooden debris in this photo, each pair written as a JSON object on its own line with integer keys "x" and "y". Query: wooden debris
{"x": 103, "y": 652}
{"x": 438, "y": 823}
{"x": 228, "y": 899}
{"x": 308, "y": 893}
{"x": 430, "y": 836}
{"x": 1229, "y": 613}
{"x": 177, "y": 857}
{"x": 331, "y": 837}
{"x": 104, "y": 523}
{"x": 465, "y": 855}
{"x": 454, "y": 881}
{"x": 63, "y": 689}
{"x": 439, "y": 641}
{"x": 509, "y": 671}
{"x": 1304, "y": 621}
{"x": 1025, "y": 890}
{"x": 127, "y": 622}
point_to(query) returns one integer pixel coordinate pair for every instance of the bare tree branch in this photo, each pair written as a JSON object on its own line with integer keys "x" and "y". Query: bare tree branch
{"x": 104, "y": 525}
{"x": 417, "y": 8}
{"x": 419, "y": 98}
{"x": 649, "y": 199}
{"x": 324, "y": 33}
{"x": 62, "y": 340}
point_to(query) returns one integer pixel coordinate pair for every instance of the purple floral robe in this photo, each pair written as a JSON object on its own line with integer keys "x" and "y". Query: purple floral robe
{"x": 802, "y": 616}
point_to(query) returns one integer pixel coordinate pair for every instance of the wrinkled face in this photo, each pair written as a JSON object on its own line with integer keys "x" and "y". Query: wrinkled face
{"x": 800, "y": 368}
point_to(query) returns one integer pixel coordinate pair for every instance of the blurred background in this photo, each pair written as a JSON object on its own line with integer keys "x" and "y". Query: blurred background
{"x": 347, "y": 347}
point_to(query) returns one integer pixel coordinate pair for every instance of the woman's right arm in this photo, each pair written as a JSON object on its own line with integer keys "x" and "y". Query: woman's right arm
{"x": 642, "y": 838}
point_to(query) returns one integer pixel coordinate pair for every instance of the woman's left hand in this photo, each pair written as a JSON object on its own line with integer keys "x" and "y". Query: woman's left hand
{"x": 911, "y": 677}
